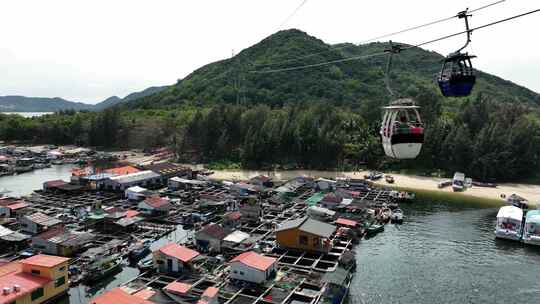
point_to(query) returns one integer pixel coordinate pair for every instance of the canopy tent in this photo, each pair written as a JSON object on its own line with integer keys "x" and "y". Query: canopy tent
{"x": 510, "y": 212}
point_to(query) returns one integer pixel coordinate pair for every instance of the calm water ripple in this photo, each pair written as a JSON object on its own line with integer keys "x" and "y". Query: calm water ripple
{"x": 445, "y": 253}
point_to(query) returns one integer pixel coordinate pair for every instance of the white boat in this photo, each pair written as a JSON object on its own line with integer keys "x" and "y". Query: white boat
{"x": 531, "y": 232}
{"x": 397, "y": 216}
{"x": 509, "y": 220}
{"x": 518, "y": 201}
{"x": 458, "y": 182}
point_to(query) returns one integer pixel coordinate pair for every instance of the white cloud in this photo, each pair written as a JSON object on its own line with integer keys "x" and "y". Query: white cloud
{"x": 89, "y": 50}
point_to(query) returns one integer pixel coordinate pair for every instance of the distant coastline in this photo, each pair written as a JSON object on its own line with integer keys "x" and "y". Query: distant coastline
{"x": 426, "y": 185}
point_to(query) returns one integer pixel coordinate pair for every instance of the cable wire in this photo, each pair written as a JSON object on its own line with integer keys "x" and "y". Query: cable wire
{"x": 379, "y": 37}
{"x": 291, "y": 15}
{"x": 403, "y": 49}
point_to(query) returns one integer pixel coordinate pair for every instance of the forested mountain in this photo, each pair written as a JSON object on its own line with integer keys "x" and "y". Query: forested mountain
{"x": 115, "y": 100}
{"x": 44, "y": 104}
{"x": 38, "y": 104}
{"x": 327, "y": 117}
{"x": 242, "y": 79}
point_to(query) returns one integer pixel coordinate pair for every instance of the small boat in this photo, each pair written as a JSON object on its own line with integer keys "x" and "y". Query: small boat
{"x": 509, "y": 219}
{"x": 57, "y": 162}
{"x": 397, "y": 216}
{"x": 389, "y": 179}
{"x": 374, "y": 175}
{"x": 458, "y": 182}
{"x": 531, "y": 232}
{"x": 518, "y": 201}
{"x": 139, "y": 250}
{"x": 385, "y": 215}
{"x": 145, "y": 264}
{"x": 444, "y": 184}
{"x": 102, "y": 268}
{"x": 374, "y": 229}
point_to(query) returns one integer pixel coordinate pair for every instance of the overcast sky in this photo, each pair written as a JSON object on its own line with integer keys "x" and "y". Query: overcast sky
{"x": 90, "y": 50}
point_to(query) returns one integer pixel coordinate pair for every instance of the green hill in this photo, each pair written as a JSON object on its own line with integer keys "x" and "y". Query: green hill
{"x": 15, "y": 103}
{"x": 237, "y": 80}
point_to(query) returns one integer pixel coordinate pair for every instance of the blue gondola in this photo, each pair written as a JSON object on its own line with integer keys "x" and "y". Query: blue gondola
{"x": 457, "y": 77}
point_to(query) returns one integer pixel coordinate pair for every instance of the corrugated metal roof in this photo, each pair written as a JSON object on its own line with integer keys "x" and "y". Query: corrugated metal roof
{"x": 135, "y": 177}
{"x": 318, "y": 228}
{"x": 292, "y": 224}
{"x": 43, "y": 219}
{"x": 310, "y": 226}
{"x": 236, "y": 237}
{"x": 5, "y": 231}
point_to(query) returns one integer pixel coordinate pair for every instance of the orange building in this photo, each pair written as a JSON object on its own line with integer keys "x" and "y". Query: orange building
{"x": 305, "y": 234}
{"x": 34, "y": 280}
{"x": 122, "y": 170}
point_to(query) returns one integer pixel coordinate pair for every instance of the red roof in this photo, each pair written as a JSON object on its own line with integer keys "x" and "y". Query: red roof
{"x": 19, "y": 205}
{"x": 214, "y": 230}
{"x": 44, "y": 260}
{"x": 346, "y": 222}
{"x": 332, "y": 198}
{"x": 234, "y": 216}
{"x": 156, "y": 201}
{"x": 182, "y": 253}
{"x": 210, "y": 292}
{"x": 26, "y": 281}
{"x": 145, "y": 294}
{"x": 118, "y": 296}
{"x": 122, "y": 170}
{"x": 255, "y": 260}
{"x": 132, "y": 213}
{"x": 178, "y": 287}
{"x": 55, "y": 183}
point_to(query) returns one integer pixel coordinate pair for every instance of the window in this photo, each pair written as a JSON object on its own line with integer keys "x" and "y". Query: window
{"x": 303, "y": 240}
{"x": 60, "y": 281}
{"x": 234, "y": 271}
{"x": 62, "y": 268}
{"x": 36, "y": 272}
{"x": 36, "y": 294}
{"x": 316, "y": 241}
{"x": 241, "y": 273}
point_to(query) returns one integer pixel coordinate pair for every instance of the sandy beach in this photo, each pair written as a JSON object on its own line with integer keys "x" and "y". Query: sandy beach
{"x": 528, "y": 191}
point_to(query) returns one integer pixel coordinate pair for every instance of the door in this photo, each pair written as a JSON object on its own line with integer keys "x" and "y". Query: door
{"x": 169, "y": 265}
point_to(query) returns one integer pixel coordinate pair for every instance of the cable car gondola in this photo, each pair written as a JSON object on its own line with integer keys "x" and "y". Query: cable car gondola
{"x": 457, "y": 77}
{"x": 402, "y": 130}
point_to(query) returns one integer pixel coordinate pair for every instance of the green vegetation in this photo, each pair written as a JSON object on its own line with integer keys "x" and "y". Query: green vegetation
{"x": 322, "y": 118}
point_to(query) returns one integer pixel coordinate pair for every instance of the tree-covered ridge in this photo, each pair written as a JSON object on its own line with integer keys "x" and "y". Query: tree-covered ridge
{"x": 353, "y": 83}
{"x": 323, "y": 118}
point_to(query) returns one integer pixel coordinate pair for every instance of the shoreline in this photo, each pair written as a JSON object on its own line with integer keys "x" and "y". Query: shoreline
{"x": 420, "y": 184}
